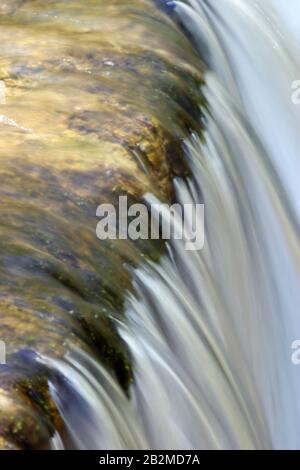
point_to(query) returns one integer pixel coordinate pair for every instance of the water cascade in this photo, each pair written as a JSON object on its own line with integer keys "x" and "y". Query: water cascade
{"x": 209, "y": 332}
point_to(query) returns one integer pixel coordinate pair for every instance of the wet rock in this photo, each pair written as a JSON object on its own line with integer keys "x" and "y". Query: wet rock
{"x": 10, "y": 6}
{"x": 109, "y": 90}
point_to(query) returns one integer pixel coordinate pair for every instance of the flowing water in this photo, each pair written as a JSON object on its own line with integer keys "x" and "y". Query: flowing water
{"x": 210, "y": 332}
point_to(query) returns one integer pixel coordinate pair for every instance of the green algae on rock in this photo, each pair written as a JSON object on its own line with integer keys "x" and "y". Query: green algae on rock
{"x": 101, "y": 95}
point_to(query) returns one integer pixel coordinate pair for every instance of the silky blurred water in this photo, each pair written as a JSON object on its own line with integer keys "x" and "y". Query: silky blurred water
{"x": 210, "y": 332}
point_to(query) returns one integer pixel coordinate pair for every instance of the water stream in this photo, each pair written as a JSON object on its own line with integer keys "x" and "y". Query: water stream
{"x": 209, "y": 333}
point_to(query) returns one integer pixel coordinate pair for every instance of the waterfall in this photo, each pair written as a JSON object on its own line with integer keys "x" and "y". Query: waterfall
{"x": 210, "y": 332}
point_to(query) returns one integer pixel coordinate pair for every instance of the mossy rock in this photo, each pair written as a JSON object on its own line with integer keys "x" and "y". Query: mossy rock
{"x": 99, "y": 96}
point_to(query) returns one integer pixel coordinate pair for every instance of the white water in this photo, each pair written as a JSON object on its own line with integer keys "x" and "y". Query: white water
{"x": 210, "y": 332}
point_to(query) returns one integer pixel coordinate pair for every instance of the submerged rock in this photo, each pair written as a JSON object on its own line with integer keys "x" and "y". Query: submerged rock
{"x": 108, "y": 90}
